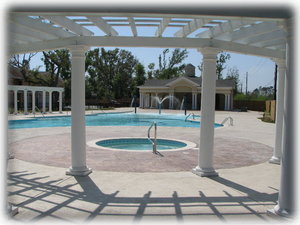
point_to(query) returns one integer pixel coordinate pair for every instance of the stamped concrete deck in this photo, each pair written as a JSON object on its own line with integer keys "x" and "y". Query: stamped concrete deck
{"x": 142, "y": 187}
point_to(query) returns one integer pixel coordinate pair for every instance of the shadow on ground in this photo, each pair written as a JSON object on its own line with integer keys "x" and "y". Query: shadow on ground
{"x": 39, "y": 199}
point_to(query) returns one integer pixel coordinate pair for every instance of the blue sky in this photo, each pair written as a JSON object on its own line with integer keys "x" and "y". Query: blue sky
{"x": 260, "y": 70}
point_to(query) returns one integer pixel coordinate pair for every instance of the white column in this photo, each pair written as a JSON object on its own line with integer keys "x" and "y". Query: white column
{"x": 147, "y": 100}
{"x": 230, "y": 102}
{"x": 25, "y": 103}
{"x": 287, "y": 197}
{"x": 226, "y": 102}
{"x": 50, "y": 101}
{"x": 193, "y": 101}
{"x": 33, "y": 101}
{"x": 60, "y": 102}
{"x": 142, "y": 101}
{"x": 44, "y": 101}
{"x": 171, "y": 100}
{"x": 205, "y": 156}
{"x": 78, "y": 135}
{"x": 16, "y": 101}
{"x": 279, "y": 112}
{"x": 196, "y": 101}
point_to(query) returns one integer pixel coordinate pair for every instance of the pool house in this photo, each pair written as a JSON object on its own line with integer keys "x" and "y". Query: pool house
{"x": 253, "y": 31}
{"x": 185, "y": 88}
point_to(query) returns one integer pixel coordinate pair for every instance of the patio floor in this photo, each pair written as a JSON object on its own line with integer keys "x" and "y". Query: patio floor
{"x": 131, "y": 187}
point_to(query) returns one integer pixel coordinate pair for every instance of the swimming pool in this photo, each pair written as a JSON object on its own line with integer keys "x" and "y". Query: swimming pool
{"x": 140, "y": 144}
{"x": 109, "y": 119}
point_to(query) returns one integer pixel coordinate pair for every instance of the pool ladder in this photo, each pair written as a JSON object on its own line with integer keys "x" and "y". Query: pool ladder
{"x": 154, "y": 143}
{"x": 230, "y": 121}
{"x": 191, "y": 114}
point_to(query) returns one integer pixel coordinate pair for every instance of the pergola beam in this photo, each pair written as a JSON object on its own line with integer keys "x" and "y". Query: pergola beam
{"x": 19, "y": 29}
{"x": 253, "y": 30}
{"x": 39, "y": 26}
{"x": 147, "y": 42}
{"x": 69, "y": 24}
{"x": 23, "y": 37}
{"x": 223, "y": 29}
{"x": 103, "y": 25}
{"x": 262, "y": 38}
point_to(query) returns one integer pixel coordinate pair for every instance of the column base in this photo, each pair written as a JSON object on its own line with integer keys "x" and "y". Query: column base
{"x": 274, "y": 160}
{"x": 205, "y": 172}
{"x": 277, "y": 211}
{"x": 82, "y": 171}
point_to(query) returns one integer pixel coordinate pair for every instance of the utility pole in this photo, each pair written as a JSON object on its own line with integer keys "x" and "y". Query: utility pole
{"x": 246, "y": 83}
{"x": 275, "y": 81}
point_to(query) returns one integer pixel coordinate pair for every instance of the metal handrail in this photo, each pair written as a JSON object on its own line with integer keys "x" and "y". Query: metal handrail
{"x": 226, "y": 119}
{"x": 191, "y": 114}
{"x": 154, "y": 143}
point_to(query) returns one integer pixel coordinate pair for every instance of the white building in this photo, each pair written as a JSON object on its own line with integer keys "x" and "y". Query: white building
{"x": 185, "y": 87}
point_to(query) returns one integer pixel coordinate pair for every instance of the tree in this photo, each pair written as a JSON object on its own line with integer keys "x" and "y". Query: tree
{"x": 110, "y": 73}
{"x": 58, "y": 64}
{"x": 151, "y": 71}
{"x": 233, "y": 74}
{"x": 22, "y": 62}
{"x": 139, "y": 78}
{"x": 173, "y": 66}
{"x": 222, "y": 58}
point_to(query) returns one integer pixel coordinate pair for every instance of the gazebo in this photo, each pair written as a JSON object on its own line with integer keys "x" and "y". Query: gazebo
{"x": 261, "y": 32}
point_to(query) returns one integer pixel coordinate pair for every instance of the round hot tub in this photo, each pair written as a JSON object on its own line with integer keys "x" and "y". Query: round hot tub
{"x": 141, "y": 144}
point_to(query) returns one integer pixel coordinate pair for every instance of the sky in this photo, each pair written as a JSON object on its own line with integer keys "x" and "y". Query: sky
{"x": 260, "y": 70}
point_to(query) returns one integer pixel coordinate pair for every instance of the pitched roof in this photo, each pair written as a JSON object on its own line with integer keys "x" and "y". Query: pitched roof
{"x": 197, "y": 80}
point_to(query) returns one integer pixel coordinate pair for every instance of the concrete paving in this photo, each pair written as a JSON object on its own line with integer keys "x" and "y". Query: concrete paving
{"x": 242, "y": 192}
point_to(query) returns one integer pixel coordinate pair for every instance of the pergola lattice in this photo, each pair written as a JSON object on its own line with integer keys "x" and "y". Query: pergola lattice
{"x": 37, "y": 31}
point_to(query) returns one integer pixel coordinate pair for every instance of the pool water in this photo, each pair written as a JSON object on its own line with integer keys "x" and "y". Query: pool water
{"x": 108, "y": 119}
{"x": 140, "y": 144}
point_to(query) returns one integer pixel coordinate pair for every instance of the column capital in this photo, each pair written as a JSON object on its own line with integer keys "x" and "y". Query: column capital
{"x": 78, "y": 50}
{"x": 209, "y": 52}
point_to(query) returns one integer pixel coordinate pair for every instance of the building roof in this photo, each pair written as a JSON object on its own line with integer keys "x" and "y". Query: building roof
{"x": 197, "y": 80}
{"x": 14, "y": 73}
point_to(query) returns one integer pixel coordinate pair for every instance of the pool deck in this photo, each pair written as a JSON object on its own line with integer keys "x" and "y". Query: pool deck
{"x": 142, "y": 187}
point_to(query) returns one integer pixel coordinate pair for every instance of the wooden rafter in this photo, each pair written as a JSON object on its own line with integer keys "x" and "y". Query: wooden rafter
{"x": 69, "y": 24}
{"x": 37, "y": 25}
{"x": 162, "y": 26}
{"x": 103, "y": 25}
{"x": 191, "y": 27}
{"x": 132, "y": 25}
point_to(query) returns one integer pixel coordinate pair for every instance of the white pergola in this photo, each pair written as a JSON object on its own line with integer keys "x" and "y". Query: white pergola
{"x": 34, "y": 90}
{"x": 260, "y": 32}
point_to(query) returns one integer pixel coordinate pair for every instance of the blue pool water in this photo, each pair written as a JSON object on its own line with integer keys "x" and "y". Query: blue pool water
{"x": 108, "y": 119}
{"x": 140, "y": 144}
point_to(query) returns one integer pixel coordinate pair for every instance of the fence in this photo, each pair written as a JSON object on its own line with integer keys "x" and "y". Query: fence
{"x": 250, "y": 105}
{"x": 271, "y": 109}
